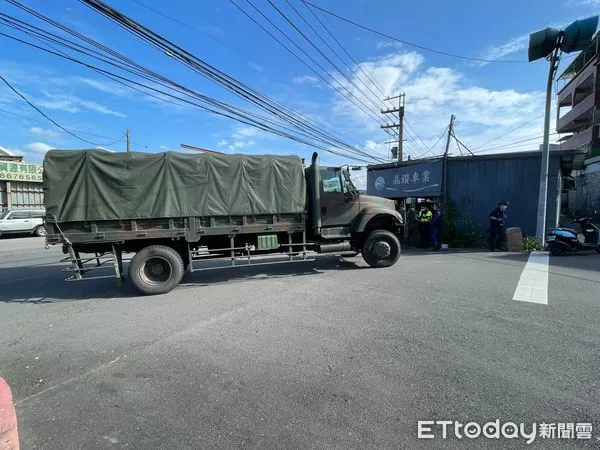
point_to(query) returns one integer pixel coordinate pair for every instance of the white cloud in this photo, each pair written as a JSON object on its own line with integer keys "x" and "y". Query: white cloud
{"x": 163, "y": 147}
{"x": 37, "y": 147}
{"x": 58, "y": 105}
{"x": 510, "y": 47}
{"x": 583, "y": 3}
{"x": 44, "y": 133}
{"x": 256, "y": 67}
{"x": 235, "y": 144}
{"x": 432, "y": 95}
{"x": 389, "y": 44}
{"x": 96, "y": 107}
{"x": 73, "y": 104}
{"x": 305, "y": 79}
{"x": 245, "y": 132}
{"x": 105, "y": 86}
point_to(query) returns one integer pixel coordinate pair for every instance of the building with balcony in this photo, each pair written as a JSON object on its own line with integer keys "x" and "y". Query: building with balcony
{"x": 578, "y": 109}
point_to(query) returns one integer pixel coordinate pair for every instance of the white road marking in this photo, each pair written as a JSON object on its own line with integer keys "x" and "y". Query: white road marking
{"x": 533, "y": 284}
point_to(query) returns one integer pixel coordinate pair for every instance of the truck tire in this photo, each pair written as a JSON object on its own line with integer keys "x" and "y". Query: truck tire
{"x": 40, "y": 231}
{"x": 156, "y": 269}
{"x": 381, "y": 249}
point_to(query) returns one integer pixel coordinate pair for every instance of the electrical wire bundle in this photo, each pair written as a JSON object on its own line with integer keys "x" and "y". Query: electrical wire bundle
{"x": 275, "y": 117}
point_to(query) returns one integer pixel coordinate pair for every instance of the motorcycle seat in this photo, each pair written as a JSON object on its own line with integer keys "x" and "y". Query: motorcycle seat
{"x": 572, "y": 230}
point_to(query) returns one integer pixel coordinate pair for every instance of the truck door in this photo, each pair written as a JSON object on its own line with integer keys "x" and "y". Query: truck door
{"x": 339, "y": 205}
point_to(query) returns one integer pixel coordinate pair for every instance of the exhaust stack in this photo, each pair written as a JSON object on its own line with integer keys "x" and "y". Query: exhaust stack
{"x": 315, "y": 194}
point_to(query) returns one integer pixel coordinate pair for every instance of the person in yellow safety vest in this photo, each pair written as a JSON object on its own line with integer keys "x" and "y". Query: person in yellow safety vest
{"x": 424, "y": 218}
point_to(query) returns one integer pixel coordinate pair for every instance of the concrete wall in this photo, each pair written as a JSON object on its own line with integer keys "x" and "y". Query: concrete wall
{"x": 477, "y": 185}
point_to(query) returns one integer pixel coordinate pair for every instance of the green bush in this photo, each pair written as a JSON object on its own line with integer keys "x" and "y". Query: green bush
{"x": 461, "y": 233}
{"x": 531, "y": 244}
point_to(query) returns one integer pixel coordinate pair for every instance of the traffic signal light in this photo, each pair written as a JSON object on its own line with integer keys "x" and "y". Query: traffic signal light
{"x": 577, "y": 36}
{"x": 542, "y": 43}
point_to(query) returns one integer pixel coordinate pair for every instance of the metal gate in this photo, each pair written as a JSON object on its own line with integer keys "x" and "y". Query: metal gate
{"x": 26, "y": 195}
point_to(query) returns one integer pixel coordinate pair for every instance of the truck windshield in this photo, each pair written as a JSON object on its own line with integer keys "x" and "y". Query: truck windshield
{"x": 331, "y": 180}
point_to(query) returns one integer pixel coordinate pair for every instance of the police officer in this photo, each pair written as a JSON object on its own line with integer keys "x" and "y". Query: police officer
{"x": 436, "y": 224}
{"x": 497, "y": 231}
{"x": 424, "y": 218}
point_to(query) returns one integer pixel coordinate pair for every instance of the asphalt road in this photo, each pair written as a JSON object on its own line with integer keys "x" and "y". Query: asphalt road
{"x": 330, "y": 354}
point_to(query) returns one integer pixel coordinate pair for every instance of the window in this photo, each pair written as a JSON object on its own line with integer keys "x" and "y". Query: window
{"x": 3, "y": 214}
{"x": 348, "y": 185}
{"x": 16, "y": 215}
{"x": 37, "y": 214}
{"x": 331, "y": 180}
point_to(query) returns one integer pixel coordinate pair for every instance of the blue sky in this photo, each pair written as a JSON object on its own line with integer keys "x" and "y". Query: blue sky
{"x": 488, "y": 99}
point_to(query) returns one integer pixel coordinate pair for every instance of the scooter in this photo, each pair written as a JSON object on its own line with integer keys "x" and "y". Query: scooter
{"x": 582, "y": 234}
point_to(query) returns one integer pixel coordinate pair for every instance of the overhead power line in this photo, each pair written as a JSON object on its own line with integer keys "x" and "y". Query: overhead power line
{"x": 123, "y": 80}
{"x": 513, "y": 144}
{"x": 341, "y": 71}
{"x": 189, "y": 27}
{"x": 212, "y": 73}
{"x": 497, "y": 138}
{"x": 436, "y": 142}
{"x": 52, "y": 120}
{"x": 459, "y": 142}
{"x": 43, "y": 122}
{"x": 358, "y": 103}
{"x": 113, "y": 58}
{"x": 411, "y": 44}
{"x": 418, "y": 140}
{"x": 358, "y": 65}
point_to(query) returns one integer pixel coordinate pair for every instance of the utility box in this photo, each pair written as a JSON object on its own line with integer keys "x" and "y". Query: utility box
{"x": 514, "y": 239}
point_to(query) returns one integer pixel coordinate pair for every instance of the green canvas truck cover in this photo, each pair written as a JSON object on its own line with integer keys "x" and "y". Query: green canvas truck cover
{"x": 84, "y": 185}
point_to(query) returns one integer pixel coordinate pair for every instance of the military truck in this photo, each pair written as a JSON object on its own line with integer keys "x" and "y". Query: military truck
{"x": 173, "y": 210}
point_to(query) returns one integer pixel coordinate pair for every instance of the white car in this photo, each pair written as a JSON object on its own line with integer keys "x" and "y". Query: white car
{"x": 22, "y": 221}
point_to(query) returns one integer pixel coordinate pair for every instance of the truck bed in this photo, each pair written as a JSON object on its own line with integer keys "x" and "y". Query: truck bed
{"x": 192, "y": 229}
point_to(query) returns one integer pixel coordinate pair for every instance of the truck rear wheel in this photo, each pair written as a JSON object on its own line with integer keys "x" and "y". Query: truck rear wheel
{"x": 156, "y": 269}
{"x": 381, "y": 249}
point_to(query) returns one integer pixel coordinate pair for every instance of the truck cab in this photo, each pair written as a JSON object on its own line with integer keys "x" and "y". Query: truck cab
{"x": 342, "y": 219}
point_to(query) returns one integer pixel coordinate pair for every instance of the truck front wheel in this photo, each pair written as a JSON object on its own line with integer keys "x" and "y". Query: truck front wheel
{"x": 156, "y": 269}
{"x": 381, "y": 249}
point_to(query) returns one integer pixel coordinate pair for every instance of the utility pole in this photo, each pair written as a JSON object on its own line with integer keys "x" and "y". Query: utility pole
{"x": 540, "y": 230}
{"x": 450, "y": 132}
{"x": 400, "y": 124}
{"x": 128, "y": 135}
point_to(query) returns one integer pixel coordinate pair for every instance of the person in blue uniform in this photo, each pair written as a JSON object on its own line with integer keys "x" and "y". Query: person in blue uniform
{"x": 436, "y": 224}
{"x": 497, "y": 230}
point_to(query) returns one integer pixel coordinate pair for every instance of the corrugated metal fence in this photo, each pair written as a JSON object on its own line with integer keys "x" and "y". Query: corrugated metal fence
{"x": 21, "y": 195}
{"x": 476, "y": 186}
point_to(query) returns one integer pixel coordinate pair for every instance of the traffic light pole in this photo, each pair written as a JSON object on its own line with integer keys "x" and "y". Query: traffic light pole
{"x": 543, "y": 194}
